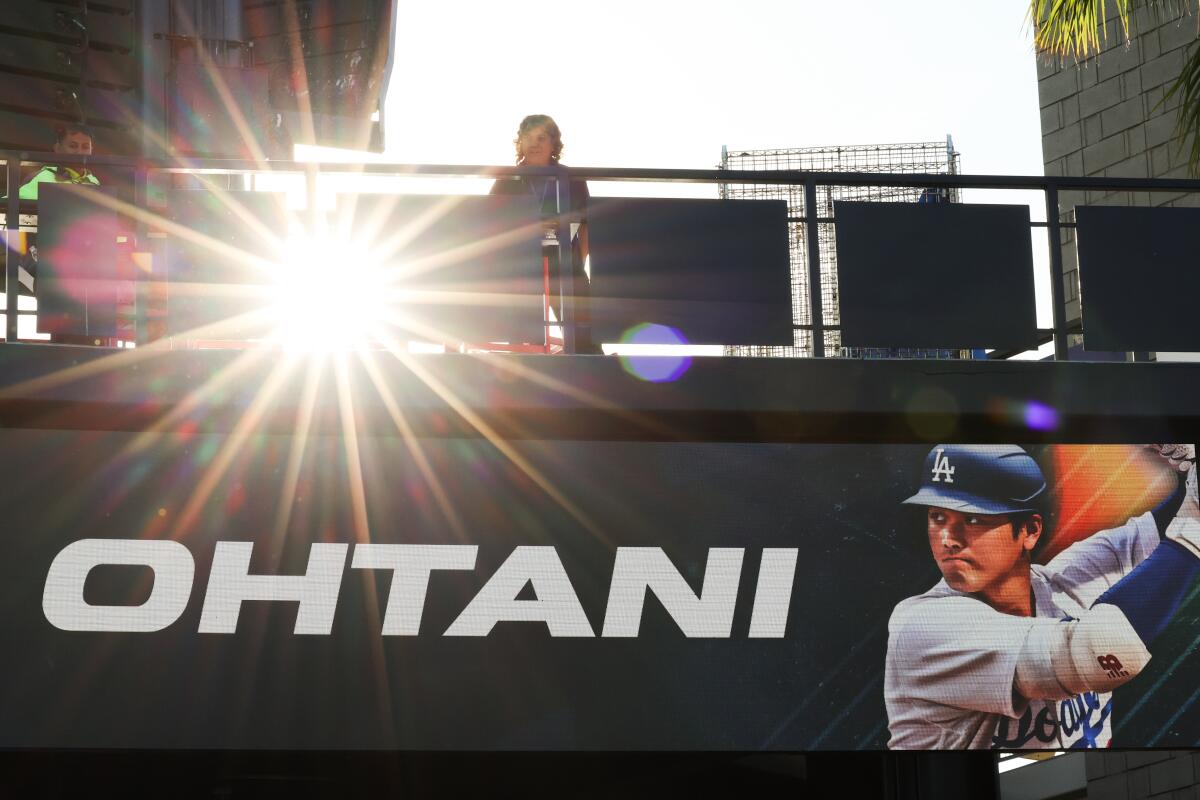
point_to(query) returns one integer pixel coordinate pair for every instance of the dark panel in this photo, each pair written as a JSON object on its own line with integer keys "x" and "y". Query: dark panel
{"x": 27, "y": 132}
{"x": 469, "y": 268}
{"x": 943, "y": 275}
{"x": 110, "y": 67}
{"x": 354, "y": 133}
{"x": 334, "y": 39}
{"x": 1138, "y": 277}
{"x": 118, "y": 107}
{"x": 326, "y": 58}
{"x": 715, "y": 399}
{"x": 36, "y": 134}
{"x": 78, "y": 285}
{"x": 114, "y": 6}
{"x": 118, "y": 5}
{"x": 69, "y": 24}
{"x": 66, "y": 61}
{"x": 113, "y": 140}
{"x": 259, "y": 774}
{"x": 51, "y": 21}
{"x": 478, "y": 258}
{"x": 201, "y": 121}
{"x": 340, "y": 83}
{"x": 61, "y": 63}
{"x": 41, "y": 95}
{"x": 269, "y": 18}
{"x": 715, "y": 270}
{"x": 39, "y": 55}
{"x": 219, "y": 272}
{"x": 110, "y": 29}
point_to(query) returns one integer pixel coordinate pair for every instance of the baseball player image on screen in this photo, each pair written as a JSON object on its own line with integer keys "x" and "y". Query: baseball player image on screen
{"x": 1005, "y": 653}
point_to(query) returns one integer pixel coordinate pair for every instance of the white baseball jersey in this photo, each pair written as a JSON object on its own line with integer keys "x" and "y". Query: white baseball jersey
{"x": 952, "y": 659}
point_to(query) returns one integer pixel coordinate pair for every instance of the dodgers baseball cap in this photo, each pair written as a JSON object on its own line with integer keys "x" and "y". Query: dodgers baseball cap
{"x": 980, "y": 478}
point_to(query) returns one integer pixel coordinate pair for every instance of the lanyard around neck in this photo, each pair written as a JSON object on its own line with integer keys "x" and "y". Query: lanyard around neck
{"x": 541, "y": 196}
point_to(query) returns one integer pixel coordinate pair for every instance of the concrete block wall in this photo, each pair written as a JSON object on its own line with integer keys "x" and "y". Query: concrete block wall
{"x": 1106, "y": 117}
{"x": 1153, "y": 774}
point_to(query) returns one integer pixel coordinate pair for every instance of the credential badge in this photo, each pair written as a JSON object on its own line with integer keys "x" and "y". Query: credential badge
{"x": 942, "y": 468}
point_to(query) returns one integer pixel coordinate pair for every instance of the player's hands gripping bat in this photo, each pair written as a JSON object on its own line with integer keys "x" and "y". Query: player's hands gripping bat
{"x": 1185, "y": 528}
{"x": 1180, "y": 456}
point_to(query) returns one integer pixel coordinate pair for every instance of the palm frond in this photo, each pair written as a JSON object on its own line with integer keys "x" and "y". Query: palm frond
{"x": 1075, "y": 28}
{"x": 1187, "y": 89}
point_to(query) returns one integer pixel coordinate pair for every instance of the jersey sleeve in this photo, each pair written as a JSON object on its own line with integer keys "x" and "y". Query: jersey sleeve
{"x": 955, "y": 651}
{"x": 959, "y": 652}
{"x": 1089, "y": 568}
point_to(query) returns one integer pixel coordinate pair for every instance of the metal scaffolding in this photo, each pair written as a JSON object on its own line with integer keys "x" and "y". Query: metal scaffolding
{"x": 918, "y": 158}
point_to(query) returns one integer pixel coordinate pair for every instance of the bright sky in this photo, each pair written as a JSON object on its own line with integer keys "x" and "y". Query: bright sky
{"x": 665, "y": 83}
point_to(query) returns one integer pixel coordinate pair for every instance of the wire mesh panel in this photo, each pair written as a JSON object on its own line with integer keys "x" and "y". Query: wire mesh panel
{"x": 918, "y": 158}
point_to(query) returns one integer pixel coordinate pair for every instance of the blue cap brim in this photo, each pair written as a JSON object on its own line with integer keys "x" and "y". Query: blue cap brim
{"x": 962, "y": 501}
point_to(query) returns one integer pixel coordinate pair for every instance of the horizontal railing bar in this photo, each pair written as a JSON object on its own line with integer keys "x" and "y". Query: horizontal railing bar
{"x": 833, "y": 221}
{"x": 804, "y": 326}
{"x": 628, "y": 174}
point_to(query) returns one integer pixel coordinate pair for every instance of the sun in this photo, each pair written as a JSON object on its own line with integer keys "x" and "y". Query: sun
{"x": 330, "y": 293}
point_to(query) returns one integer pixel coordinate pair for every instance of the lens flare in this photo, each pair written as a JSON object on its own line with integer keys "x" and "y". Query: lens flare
{"x": 1040, "y": 417}
{"x": 1031, "y": 414}
{"x": 651, "y": 357}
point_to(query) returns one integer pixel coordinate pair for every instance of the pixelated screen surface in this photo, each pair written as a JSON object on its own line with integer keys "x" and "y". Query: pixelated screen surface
{"x": 738, "y": 596}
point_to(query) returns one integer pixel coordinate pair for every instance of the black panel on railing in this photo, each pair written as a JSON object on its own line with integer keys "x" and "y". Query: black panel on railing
{"x": 458, "y": 269}
{"x": 216, "y": 273}
{"x": 715, "y": 270}
{"x": 942, "y": 275}
{"x": 78, "y": 282}
{"x": 1138, "y": 277}
{"x": 461, "y": 269}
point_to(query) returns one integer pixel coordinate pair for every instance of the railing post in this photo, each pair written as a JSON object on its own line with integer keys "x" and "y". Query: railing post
{"x": 1057, "y": 292}
{"x": 312, "y": 217}
{"x": 310, "y": 196}
{"x": 812, "y": 240}
{"x": 12, "y": 226}
{"x": 141, "y": 243}
{"x": 566, "y": 259}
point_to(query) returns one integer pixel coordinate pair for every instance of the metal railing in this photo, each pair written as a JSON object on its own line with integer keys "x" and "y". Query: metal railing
{"x": 1052, "y": 188}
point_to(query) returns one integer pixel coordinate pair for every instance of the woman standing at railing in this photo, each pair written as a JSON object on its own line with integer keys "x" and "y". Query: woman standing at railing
{"x": 539, "y": 144}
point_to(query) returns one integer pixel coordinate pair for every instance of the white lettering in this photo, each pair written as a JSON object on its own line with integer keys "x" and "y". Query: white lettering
{"x": 411, "y": 565}
{"x": 230, "y": 584}
{"x": 636, "y": 571}
{"x": 556, "y": 605}
{"x": 640, "y": 568}
{"x": 774, "y": 593}
{"x": 62, "y": 599}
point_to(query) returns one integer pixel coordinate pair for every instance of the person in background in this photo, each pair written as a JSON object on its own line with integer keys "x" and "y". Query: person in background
{"x": 72, "y": 139}
{"x": 539, "y": 144}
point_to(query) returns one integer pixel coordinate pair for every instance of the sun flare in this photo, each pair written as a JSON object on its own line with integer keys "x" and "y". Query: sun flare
{"x": 331, "y": 294}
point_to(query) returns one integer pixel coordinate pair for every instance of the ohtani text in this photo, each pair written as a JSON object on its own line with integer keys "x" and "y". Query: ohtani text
{"x": 636, "y": 571}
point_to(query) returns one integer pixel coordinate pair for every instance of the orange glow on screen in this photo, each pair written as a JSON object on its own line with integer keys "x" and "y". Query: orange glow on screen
{"x": 1097, "y": 487}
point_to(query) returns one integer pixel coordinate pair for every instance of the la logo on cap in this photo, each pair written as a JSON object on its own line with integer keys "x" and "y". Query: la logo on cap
{"x": 942, "y": 468}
